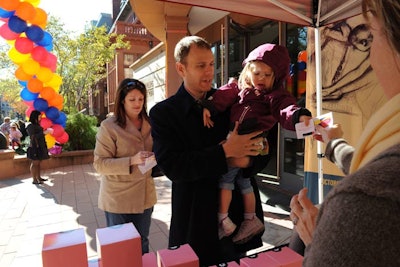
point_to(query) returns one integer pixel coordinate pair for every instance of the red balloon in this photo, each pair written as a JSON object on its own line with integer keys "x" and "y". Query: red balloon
{"x": 63, "y": 138}
{"x": 23, "y": 45}
{"x": 39, "y": 53}
{"x": 46, "y": 123}
{"x": 50, "y": 62}
{"x": 6, "y": 33}
{"x": 58, "y": 130}
{"x": 29, "y": 111}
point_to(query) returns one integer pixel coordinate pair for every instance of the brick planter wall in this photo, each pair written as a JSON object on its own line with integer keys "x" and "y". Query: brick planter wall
{"x": 12, "y": 164}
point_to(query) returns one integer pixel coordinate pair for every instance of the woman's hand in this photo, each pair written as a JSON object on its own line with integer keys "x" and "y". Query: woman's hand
{"x": 328, "y": 133}
{"x": 303, "y": 215}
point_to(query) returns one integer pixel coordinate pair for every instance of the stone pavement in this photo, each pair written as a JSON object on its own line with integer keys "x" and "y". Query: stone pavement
{"x": 69, "y": 201}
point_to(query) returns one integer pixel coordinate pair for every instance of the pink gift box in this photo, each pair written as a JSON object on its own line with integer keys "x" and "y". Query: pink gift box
{"x": 119, "y": 245}
{"x": 149, "y": 260}
{"x": 181, "y": 256}
{"x": 282, "y": 257}
{"x": 258, "y": 260}
{"x": 227, "y": 264}
{"x": 286, "y": 257}
{"x": 65, "y": 249}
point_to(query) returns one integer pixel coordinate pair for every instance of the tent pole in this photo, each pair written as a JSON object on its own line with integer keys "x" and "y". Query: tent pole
{"x": 318, "y": 90}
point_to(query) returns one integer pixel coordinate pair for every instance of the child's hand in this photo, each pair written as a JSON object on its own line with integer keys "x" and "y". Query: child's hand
{"x": 207, "y": 119}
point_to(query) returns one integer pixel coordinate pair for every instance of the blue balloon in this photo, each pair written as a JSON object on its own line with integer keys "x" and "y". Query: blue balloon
{"x": 35, "y": 33}
{"x": 28, "y": 95}
{"x": 40, "y": 104}
{"x": 6, "y": 14}
{"x": 62, "y": 120}
{"x": 16, "y": 24}
{"x": 301, "y": 65}
{"x": 46, "y": 40}
{"x": 49, "y": 47}
{"x": 23, "y": 83}
{"x": 52, "y": 113}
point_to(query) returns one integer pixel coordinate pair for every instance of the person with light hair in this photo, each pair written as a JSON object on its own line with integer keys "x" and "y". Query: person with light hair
{"x": 358, "y": 222}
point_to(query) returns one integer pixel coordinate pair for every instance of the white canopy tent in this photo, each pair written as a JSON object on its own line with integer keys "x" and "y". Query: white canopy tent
{"x": 308, "y": 13}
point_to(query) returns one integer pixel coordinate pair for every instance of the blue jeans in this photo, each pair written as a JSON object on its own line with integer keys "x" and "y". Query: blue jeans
{"x": 140, "y": 220}
{"x": 227, "y": 181}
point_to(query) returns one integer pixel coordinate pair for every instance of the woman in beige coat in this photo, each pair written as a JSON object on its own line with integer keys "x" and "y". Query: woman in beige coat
{"x": 126, "y": 194}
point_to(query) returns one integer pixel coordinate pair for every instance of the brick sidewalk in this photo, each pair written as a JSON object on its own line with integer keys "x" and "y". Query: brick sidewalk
{"x": 69, "y": 201}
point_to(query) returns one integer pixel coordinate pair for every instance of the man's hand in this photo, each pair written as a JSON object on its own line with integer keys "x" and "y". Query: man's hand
{"x": 238, "y": 146}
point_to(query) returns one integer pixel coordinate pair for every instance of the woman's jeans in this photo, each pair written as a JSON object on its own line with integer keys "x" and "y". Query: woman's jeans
{"x": 140, "y": 220}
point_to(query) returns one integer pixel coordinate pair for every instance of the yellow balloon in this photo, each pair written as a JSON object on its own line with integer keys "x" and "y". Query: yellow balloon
{"x": 34, "y": 3}
{"x": 30, "y": 66}
{"x": 50, "y": 140}
{"x": 17, "y": 57}
{"x": 44, "y": 74}
{"x": 55, "y": 81}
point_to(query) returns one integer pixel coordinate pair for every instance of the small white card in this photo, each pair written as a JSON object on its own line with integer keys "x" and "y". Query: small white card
{"x": 148, "y": 164}
{"x": 302, "y": 131}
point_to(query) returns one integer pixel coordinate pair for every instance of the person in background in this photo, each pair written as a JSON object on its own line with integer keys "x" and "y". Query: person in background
{"x": 258, "y": 102}
{"x": 126, "y": 194}
{"x": 37, "y": 139}
{"x": 3, "y": 141}
{"x": 15, "y": 136}
{"x": 194, "y": 157}
{"x": 22, "y": 129}
{"x": 358, "y": 221}
{"x": 5, "y": 128}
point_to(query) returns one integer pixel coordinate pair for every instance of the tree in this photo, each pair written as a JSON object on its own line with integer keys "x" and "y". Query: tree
{"x": 81, "y": 62}
{"x": 9, "y": 90}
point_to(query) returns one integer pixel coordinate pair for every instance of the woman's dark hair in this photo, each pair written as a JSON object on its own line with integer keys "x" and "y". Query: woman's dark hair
{"x": 124, "y": 88}
{"x": 34, "y": 117}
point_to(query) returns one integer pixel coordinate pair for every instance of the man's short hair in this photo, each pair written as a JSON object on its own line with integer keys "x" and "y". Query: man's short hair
{"x": 182, "y": 48}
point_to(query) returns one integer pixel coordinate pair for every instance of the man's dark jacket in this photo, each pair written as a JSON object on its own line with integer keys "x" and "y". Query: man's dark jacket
{"x": 191, "y": 156}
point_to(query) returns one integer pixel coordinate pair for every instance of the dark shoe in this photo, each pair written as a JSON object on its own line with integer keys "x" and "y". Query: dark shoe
{"x": 247, "y": 230}
{"x": 42, "y": 179}
{"x": 37, "y": 182}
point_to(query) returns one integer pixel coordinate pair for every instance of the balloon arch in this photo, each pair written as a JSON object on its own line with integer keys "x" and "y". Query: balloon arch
{"x": 23, "y": 29}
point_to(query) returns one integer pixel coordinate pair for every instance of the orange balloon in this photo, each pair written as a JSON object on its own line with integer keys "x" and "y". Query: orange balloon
{"x": 21, "y": 75}
{"x": 25, "y": 11}
{"x": 56, "y": 100}
{"x": 302, "y": 56}
{"x": 47, "y": 93}
{"x": 9, "y": 5}
{"x": 34, "y": 85}
{"x": 40, "y": 18}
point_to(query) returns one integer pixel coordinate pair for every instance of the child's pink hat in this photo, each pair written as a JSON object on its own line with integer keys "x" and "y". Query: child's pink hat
{"x": 275, "y": 56}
